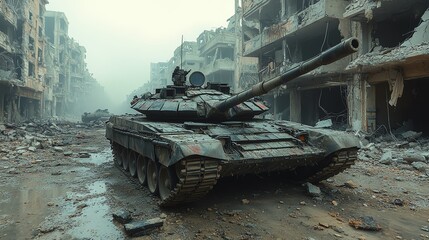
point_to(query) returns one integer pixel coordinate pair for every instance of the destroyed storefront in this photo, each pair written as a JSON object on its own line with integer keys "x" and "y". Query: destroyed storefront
{"x": 18, "y": 103}
{"x": 392, "y": 75}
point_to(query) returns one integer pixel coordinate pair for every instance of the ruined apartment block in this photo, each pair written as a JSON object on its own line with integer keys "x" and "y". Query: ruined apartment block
{"x": 69, "y": 77}
{"x": 59, "y": 77}
{"x": 22, "y": 69}
{"x": 391, "y": 74}
{"x": 281, "y": 33}
{"x": 353, "y": 91}
{"x": 217, "y": 48}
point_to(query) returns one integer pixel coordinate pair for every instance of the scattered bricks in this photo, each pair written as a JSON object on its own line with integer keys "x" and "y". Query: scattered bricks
{"x": 365, "y": 223}
{"x": 140, "y": 228}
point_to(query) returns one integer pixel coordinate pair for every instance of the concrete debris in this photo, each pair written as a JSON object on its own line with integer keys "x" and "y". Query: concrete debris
{"x": 367, "y": 223}
{"x": 391, "y": 56}
{"x": 421, "y": 33}
{"x": 422, "y": 167}
{"x": 141, "y": 228}
{"x": 350, "y": 184}
{"x": 411, "y": 135}
{"x": 122, "y": 216}
{"x": 324, "y": 123}
{"x": 313, "y": 190}
{"x": 398, "y": 202}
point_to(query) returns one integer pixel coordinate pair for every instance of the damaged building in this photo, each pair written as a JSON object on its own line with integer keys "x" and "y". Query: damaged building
{"x": 22, "y": 69}
{"x": 392, "y": 71}
{"x": 43, "y": 72}
{"x": 361, "y": 91}
{"x": 216, "y": 53}
{"x": 68, "y": 77}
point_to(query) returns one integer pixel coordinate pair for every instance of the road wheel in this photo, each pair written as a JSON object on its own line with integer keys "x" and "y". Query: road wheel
{"x": 133, "y": 163}
{"x": 167, "y": 181}
{"x": 125, "y": 159}
{"x": 142, "y": 169}
{"x": 117, "y": 154}
{"x": 152, "y": 177}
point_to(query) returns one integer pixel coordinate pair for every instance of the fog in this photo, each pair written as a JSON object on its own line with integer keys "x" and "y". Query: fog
{"x": 123, "y": 37}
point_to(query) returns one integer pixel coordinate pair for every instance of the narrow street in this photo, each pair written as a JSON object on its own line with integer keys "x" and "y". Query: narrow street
{"x": 64, "y": 185}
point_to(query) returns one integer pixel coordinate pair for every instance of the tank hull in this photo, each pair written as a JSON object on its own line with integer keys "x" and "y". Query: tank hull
{"x": 207, "y": 151}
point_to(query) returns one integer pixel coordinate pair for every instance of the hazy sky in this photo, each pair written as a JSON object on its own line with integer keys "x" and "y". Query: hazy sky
{"x": 123, "y": 37}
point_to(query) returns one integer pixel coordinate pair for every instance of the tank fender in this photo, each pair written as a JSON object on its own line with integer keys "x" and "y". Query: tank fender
{"x": 327, "y": 139}
{"x": 332, "y": 140}
{"x": 182, "y": 146}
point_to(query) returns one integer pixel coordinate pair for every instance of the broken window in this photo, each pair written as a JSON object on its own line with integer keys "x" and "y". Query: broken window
{"x": 40, "y": 56}
{"x": 31, "y": 43}
{"x": 30, "y": 16}
{"x": 31, "y": 72}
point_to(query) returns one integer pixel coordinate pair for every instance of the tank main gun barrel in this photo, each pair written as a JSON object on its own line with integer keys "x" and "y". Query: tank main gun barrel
{"x": 331, "y": 55}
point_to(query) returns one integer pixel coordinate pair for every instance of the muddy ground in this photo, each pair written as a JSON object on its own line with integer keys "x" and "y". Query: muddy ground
{"x": 71, "y": 190}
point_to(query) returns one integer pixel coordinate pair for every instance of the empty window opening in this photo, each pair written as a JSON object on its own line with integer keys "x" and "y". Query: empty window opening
{"x": 327, "y": 37}
{"x": 409, "y": 113}
{"x": 31, "y": 72}
{"x": 31, "y": 43}
{"x": 393, "y": 31}
{"x": 323, "y": 104}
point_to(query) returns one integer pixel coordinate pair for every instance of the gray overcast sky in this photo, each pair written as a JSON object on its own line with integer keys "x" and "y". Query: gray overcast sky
{"x": 123, "y": 37}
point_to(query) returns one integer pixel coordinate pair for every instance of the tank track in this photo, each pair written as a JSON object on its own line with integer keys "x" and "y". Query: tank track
{"x": 196, "y": 179}
{"x": 337, "y": 163}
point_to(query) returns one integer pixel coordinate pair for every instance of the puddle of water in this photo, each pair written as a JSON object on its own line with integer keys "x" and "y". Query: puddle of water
{"x": 27, "y": 205}
{"x": 95, "y": 222}
{"x": 97, "y": 158}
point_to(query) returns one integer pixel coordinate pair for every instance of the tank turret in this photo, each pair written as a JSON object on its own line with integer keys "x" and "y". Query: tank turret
{"x": 181, "y": 102}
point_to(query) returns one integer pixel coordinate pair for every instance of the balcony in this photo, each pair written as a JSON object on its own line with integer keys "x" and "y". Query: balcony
{"x": 251, "y": 6}
{"x": 219, "y": 65}
{"x": 7, "y": 13}
{"x": 5, "y": 44}
{"x": 306, "y": 23}
{"x": 221, "y": 39}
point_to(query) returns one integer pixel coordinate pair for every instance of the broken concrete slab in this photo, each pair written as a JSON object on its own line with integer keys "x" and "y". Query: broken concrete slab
{"x": 411, "y": 135}
{"x": 422, "y": 167}
{"x": 324, "y": 123}
{"x": 144, "y": 227}
{"x": 122, "y": 216}
{"x": 313, "y": 190}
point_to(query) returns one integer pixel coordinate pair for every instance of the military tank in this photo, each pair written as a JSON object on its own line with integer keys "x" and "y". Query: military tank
{"x": 98, "y": 115}
{"x": 189, "y": 135}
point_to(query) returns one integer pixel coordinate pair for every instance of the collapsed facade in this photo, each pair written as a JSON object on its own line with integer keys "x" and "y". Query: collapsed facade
{"x": 43, "y": 72}
{"x": 351, "y": 92}
{"x": 22, "y": 68}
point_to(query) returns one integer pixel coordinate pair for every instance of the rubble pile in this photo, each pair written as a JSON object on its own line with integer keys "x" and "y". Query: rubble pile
{"x": 409, "y": 153}
{"x": 20, "y": 141}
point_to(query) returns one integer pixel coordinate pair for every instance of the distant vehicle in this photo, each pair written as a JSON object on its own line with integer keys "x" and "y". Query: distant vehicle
{"x": 98, "y": 115}
{"x": 190, "y": 135}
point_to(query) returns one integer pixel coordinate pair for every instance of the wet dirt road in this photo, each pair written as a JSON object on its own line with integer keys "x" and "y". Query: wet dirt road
{"x": 53, "y": 196}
